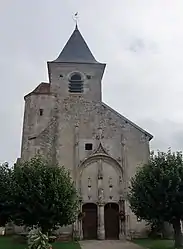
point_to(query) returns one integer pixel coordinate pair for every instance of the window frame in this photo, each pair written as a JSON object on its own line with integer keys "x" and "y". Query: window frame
{"x": 41, "y": 111}
{"x": 88, "y": 144}
{"x": 76, "y": 86}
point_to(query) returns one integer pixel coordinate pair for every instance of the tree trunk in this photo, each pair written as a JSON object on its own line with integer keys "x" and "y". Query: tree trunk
{"x": 177, "y": 234}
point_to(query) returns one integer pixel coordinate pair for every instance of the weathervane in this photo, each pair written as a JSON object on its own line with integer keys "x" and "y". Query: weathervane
{"x": 75, "y": 18}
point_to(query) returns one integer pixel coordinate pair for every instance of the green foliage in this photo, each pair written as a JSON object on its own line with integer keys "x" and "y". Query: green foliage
{"x": 156, "y": 192}
{"x": 43, "y": 195}
{"x": 8, "y": 243}
{"x": 38, "y": 240}
{"x": 154, "y": 244}
{"x": 156, "y": 229}
{"x": 5, "y": 194}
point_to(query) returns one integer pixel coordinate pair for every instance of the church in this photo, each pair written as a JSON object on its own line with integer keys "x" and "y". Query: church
{"x": 66, "y": 121}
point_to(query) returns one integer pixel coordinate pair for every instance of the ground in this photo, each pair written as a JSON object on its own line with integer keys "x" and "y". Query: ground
{"x": 8, "y": 243}
{"x": 108, "y": 244}
{"x": 155, "y": 244}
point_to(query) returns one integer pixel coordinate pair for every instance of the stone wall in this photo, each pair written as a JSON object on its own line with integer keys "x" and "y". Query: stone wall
{"x": 69, "y": 121}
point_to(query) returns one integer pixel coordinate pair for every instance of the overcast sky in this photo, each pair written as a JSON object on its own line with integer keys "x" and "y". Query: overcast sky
{"x": 140, "y": 40}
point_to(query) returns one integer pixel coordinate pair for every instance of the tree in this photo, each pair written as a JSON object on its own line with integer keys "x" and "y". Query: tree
{"x": 43, "y": 194}
{"x": 5, "y": 194}
{"x": 156, "y": 192}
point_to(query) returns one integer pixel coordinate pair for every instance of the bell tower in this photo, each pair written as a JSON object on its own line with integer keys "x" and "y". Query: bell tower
{"x": 76, "y": 71}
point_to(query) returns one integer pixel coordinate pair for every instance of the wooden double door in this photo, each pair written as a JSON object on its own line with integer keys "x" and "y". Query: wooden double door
{"x": 111, "y": 221}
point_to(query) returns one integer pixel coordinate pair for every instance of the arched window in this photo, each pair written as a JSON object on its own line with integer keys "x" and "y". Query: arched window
{"x": 76, "y": 83}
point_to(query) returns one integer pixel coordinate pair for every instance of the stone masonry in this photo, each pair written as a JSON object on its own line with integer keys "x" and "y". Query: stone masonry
{"x": 66, "y": 121}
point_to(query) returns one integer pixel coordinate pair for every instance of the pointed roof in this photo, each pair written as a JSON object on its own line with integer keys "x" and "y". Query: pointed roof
{"x": 76, "y": 50}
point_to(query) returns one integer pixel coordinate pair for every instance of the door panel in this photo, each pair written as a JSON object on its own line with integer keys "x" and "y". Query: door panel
{"x": 111, "y": 216}
{"x": 90, "y": 221}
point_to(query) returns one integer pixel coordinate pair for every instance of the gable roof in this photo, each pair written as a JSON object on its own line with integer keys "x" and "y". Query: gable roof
{"x": 76, "y": 50}
{"x": 127, "y": 120}
{"x": 42, "y": 88}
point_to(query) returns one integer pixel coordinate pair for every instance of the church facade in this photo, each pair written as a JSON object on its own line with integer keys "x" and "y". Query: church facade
{"x": 66, "y": 121}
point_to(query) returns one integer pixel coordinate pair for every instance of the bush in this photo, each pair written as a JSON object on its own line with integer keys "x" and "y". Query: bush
{"x": 38, "y": 240}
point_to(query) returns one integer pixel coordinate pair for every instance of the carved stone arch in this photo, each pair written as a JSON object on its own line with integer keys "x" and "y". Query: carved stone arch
{"x": 76, "y": 72}
{"x": 100, "y": 150}
{"x": 100, "y": 156}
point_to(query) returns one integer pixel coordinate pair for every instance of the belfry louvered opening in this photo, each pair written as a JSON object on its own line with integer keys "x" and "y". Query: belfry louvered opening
{"x": 76, "y": 83}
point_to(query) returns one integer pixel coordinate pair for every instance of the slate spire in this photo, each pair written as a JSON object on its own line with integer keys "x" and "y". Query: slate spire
{"x": 76, "y": 50}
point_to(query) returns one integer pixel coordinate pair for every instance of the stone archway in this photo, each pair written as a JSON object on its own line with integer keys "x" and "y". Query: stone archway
{"x": 103, "y": 157}
{"x": 111, "y": 219}
{"x": 89, "y": 223}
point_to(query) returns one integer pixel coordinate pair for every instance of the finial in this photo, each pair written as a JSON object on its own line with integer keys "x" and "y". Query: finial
{"x": 76, "y": 19}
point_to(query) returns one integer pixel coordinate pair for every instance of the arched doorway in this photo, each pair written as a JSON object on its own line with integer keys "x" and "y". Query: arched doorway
{"x": 89, "y": 222}
{"x": 111, "y": 217}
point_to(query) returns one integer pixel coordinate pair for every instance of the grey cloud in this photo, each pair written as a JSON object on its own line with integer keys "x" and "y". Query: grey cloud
{"x": 167, "y": 133}
{"x": 146, "y": 86}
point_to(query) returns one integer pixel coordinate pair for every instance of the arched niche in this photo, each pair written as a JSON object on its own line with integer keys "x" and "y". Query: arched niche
{"x": 103, "y": 157}
{"x": 98, "y": 172}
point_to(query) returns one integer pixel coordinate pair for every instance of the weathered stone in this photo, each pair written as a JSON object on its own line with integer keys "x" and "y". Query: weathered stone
{"x": 68, "y": 122}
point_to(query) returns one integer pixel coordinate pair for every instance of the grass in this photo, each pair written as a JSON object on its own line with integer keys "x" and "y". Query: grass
{"x": 155, "y": 244}
{"x": 8, "y": 243}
